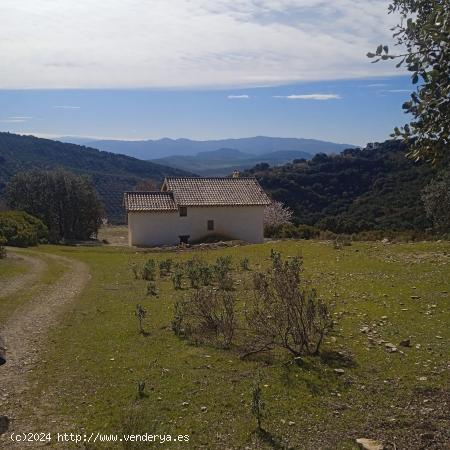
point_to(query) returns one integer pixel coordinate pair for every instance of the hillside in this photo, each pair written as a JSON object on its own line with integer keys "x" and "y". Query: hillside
{"x": 152, "y": 149}
{"x": 112, "y": 174}
{"x": 223, "y": 161}
{"x": 373, "y": 188}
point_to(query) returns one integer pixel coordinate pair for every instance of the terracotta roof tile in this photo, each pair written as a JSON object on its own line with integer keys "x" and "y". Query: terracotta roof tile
{"x": 213, "y": 191}
{"x": 149, "y": 201}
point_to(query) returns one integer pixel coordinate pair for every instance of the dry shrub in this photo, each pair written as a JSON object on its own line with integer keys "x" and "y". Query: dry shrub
{"x": 284, "y": 312}
{"x": 165, "y": 267}
{"x": 222, "y": 271}
{"x": 177, "y": 276}
{"x": 206, "y": 315}
{"x": 149, "y": 270}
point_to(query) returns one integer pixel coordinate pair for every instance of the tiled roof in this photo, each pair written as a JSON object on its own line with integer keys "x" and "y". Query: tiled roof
{"x": 212, "y": 191}
{"x": 149, "y": 201}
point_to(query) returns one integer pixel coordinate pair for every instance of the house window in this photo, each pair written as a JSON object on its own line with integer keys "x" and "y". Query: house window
{"x": 183, "y": 211}
{"x": 210, "y": 225}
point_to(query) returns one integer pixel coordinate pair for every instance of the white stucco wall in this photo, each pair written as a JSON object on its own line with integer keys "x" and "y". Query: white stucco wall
{"x": 164, "y": 228}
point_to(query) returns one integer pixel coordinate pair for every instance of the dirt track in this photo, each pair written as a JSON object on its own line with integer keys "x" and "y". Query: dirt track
{"x": 25, "y": 335}
{"x": 36, "y": 267}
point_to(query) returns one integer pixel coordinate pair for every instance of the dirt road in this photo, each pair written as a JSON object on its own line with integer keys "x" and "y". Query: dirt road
{"x": 36, "y": 267}
{"x": 25, "y": 334}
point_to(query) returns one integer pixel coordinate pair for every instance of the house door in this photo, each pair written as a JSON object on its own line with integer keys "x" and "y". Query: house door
{"x": 184, "y": 238}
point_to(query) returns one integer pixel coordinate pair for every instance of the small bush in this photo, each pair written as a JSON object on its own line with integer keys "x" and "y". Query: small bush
{"x": 308, "y": 232}
{"x": 21, "y": 229}
{"x": 258, "y": 405}
{"x": 327, "y": 235}
{"x": 289, "y": 230}
{"x": 206, "y": 274}
{"x": 141, "y": 314}
{"x": 224, "y": 263}
{"x": 245, "y": 264}
{"x": 149, "y": 270}
{"x": 207, "y": 315}
{"x": 284, "y": 312}
{"x": 165, "y": 267}
{"x": 141, "y": 389}
{"x": 222, "y": 271}
{"x": 136, "y": 270}
{"x": 199, "y": 273}
{"x": 177, "y": 276}
{"x": 193, "y": 272}
{"x": 151, "y": 288}
{"x": 179, "y": 316}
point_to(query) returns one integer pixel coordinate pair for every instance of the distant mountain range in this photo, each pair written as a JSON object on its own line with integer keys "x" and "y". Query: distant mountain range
{"x": 112, "y": 174}
{"x": 223, "y": 161}
{"x": 161, "y": 148}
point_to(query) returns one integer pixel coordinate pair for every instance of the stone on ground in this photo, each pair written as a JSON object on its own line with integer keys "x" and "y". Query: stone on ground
{"x": 369, "y": 444}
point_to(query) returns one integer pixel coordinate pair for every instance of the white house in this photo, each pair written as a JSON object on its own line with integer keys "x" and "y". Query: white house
{"x": 191, "y": 209}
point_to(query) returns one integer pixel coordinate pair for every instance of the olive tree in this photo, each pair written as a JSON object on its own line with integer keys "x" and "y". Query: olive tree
{"x": 424, "y": 34}
{"x": 436, "y": 199}
{"x": 66, "y": 203}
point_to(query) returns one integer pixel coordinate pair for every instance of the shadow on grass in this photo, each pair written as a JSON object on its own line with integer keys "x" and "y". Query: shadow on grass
{"x": 310, "y": 375}
{"x": 311, "y": 371}
{"x": 271, "y": 440}
{"x": 4, "y": 424}
{"x": 337, "y": 359}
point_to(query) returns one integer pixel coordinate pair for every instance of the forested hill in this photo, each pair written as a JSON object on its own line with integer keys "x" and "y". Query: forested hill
{"x": 373, "y": 188}
{"x": 112, "y": 174}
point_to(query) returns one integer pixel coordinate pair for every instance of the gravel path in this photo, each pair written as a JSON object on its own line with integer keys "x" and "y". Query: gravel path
{"x": 25, "y": 335}
{"x": 36, "y": 267}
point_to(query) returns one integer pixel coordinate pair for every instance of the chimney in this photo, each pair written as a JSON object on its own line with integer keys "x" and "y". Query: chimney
{"x": 236, "y": 174}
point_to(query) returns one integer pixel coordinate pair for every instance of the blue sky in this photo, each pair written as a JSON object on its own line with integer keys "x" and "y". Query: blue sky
{"x": 350, "y": 111}
{"x": 198, "y": 68}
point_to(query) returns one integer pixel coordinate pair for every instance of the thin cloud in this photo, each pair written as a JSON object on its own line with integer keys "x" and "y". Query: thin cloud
{"x": 243, "y": 96}
{"x": 16, "y": 119}
{"x": 394, "y": 91}
{"x": 66, "y": 107}
{"x": 250, "y": 42}
{"x": 320, "y": 97}
{"x": 377, "y": 85}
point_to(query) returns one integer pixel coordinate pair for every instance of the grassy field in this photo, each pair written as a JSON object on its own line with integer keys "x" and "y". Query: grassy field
{"x": 97, "y": 357}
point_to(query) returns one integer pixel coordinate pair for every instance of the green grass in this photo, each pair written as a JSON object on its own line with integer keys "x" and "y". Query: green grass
{"x": 98, "y": 357}
{"x": 114, "y": 234}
